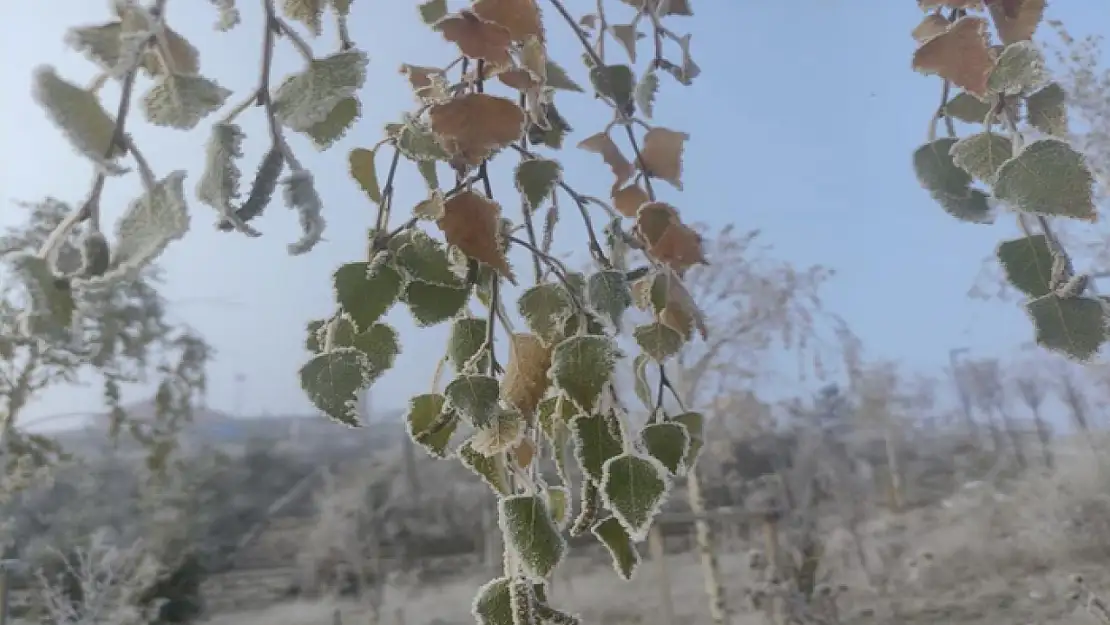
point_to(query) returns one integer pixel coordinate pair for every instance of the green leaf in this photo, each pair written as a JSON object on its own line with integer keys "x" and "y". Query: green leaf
{"x": 427, "y": 413}
{"x": 634, "y": 488}
{"x": 381, "y": 346}
{"x": 308, "y": 12}
{"x": 1019, "y": 69}
{"x": 536, "y": 179}
{"x": 531, "y": 533}
{"x": 475, "y": 398}
{"x": 468, "y": 335}
{"x": 332, "y": 380}
{"x": 982, "y": 154}
{"x": 545, "y": 307}
{"x": 181, "y": 101}
{"x": 667, "y": 442}
{"x": 493, "y": 605}
{"x": 342, "y": 7}
{"x": 1074, "y": 326}
{"x": 366, "y": 291}
{"x": 1027, "y": 263}
{"x": 433, "y": 11}
{"x": 694, "y": 423}
{"x": 77, "y": 112}
{"x": 417, "y": 141}
{"x": 645, "y": 92}
{"x": 1047, "y": 110}
{"x": 429, "y": 173}
{"x": 615, "y": 82}
{"x": 557, "y": 78}
{"x": 363, "y": 170}
{"x": 501, "y": 433}
{"x": 642, "y": 387}
{"x": 658, "y": 340}
{"x": 1050, "y": 178}
{"x": 948, "y": 184}
{"x": 609, "y": 294}
{"x": 307, "y": 98}
{"x": 314, "y": 339}
{"x": 219, "y": 184}
{"x": 341, "y": 118}
{"x": 52, "y": 304}
{"x": 595, "y": 443}
{"x": 612, "y": 534}
{"x": 490, "y": 468}
{"x": 555, "y": 414}
{"x": 967, "y": 108}
{"x": 559, "y": 503}
{"x": 556, "y": 131}
{"x": 582, "y": 367}
{"x": 423, "y": 258}
{"x": 431, "y": 304}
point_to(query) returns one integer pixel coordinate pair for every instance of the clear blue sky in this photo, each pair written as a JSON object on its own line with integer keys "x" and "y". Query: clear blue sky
{"x": 820, "y": 113}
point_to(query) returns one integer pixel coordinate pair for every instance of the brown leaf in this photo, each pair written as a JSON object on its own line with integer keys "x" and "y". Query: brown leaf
{"x": 662, "y": 154}
{"x": 471, "y": 222}
{"x": 519, "y": 79}
{"x": 603, "y": 144}
{"x": 680, "y": 247}
{"x": 475, "y": 125}
{"x": 526, "y": 380}
{"x": 426, "y": 82}
{"x": 950, "y": 4}
{"x": 477, "y": 38}
{"x": 520, "y": 17}
{"x": 524, "y": 452}
{"x": 961, "y": 55}
{"x": 628, "y": 200}
{"x": 1016, "y": 20}
{"x": 681, "y": 312}
{"x": 653, "y": 219}
{"x": 933, "y": 25}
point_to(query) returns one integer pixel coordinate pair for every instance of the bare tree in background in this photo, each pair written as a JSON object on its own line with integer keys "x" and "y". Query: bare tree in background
{"x": 1032, "y": 389}
{"x": 985, "y": 380}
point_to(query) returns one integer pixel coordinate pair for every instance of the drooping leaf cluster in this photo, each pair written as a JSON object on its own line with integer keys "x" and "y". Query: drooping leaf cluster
{"x": 1018, "y": 160}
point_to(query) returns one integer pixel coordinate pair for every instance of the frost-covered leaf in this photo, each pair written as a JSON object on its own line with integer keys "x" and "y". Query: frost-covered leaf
{"x": 96, "y": 254}
{"x": 531, "y": 533}
{"x": 502, "y": 433}
{"x": 219, "y": 184}
{"x": 553, "y": 134}
{"x": 967, "y": 108}
{"x": 299, "y": 193}
{"x": 557, "y": 78}
{"x": 307, "y": 98}
{"x": 658, "y": 340}
{"x": 474, "y": 397}
{"x": 663, "y": 8}
{"x": 433, "y": 303}
{"x": 981, "y": 154}
{"x": 332, "y": 380}
{"x": 662, "y": 154}
{"x": 1020, "y": 69}
{"x": 342, "y": 7}
{"x": 180, "y": 101}
{"x": 363, "y": 170}
{"x": 645, "y": 92}
{"x": 932, "y": 25}
{"x": 634, "y": 488}
{"x": 616, "y": 82}
{"x": 100, "y": 43}
{"x": 1027, "y": 263}
{"x": 525, "y": 380}
{"x": 1016, "y": 21}
{"x": 429, "y": 424}
{"x": 949, "y": 184}
{"x": 1048, "y": 177}
{"x": 640, "y": 380}
{"x": 151, "y": 222}
{"x": 341, "y": 118}
{"x": 477, "y": 38}
{"x": 380, "y": 345}
{"x": 628, "y": 200}
{"x": 595, "y": 443}
{"x": 314, "y": 335}
{"x": 78, "y": 114}
{"x": 490, "y": 468}
{"x": 474, "y": 126}
{"x": 472, "y": 223}
{"x": 559, "y": 503}
{"x": 432, "y": 11}
{"x": 554, "y": 415}
{"x": 582, "y": 367}
{"x": 52, "y": 304}
{"x": 366, "y": 291}
{"x": 694, "y": 422}
{"x": 536, "y": 179}
{"x": 1047, "y": 110}
{"x": 603, "y": 145}
{"x": 493, "y": 604}
{"x": 308, "y": 12}
{"x": 609, "y": 294}
{"x": 431, "y": 178}
{"x": 667, "y": 442}
{"x": 417, "y": 142}
{"x": 1073, "y": 326}
{"x": 468, "y": 336}
{"x": 521, "y": 18}
{"x": 228, "y": 14}
{"x": 545, "y": 308}
{"x": 183, "y": 57}
{"x": 619, "y": 544}
{"x": 423, "y": 258}
{"x": 431, "y": 208}
{"x": 961, "y": 55}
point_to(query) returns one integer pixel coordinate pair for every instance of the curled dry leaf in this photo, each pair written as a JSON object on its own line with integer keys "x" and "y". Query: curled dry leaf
{"x": 603, "y": 144}
{"x": 933, "y": 25}
{"x": 1016, "y": 20}
{"x": 526, "y": 380}
{"x": 666, "y": 238}
{"x": 961, "y": 55}
{"x": 427, "y": 82}
{"x": 520, "y": 17}
{"x": 474, "y": 126}
{"x": 477, "y": 38}
{"x": 681, "y": 312}
{"x": 471, "y": 222}
{"x": 662, "y": 154}
{"x": 628, "y": 200}
{"x": 524, "y": 452}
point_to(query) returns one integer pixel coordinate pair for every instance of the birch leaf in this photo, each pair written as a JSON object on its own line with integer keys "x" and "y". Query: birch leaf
{"x": 180, "y": 101}
{"x": 79, "y": 115}
{"x": 307, "y": 98}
